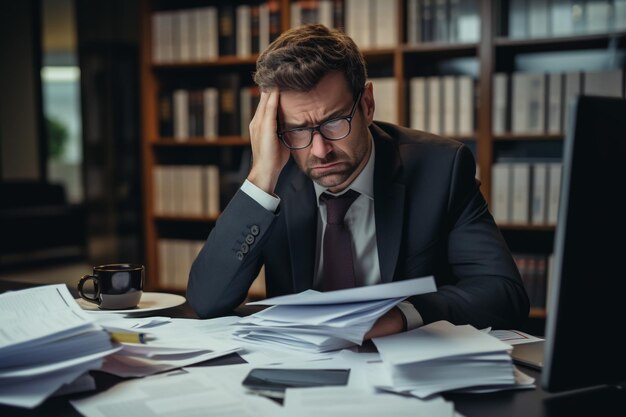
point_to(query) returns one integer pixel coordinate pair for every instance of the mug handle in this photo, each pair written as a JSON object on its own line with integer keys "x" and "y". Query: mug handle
{"x": 96, "y": 287}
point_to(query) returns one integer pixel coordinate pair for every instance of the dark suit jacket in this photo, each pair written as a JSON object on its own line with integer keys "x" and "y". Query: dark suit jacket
{"x": 431, "y": 219}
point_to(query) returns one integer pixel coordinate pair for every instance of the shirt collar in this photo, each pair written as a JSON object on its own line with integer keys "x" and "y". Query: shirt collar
{"x": 363, "y": 183}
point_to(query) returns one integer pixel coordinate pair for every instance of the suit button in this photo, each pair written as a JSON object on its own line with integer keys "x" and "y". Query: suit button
{"x": 245, "y": 248}
{"x": 254, "y": 230}
{"x": 240, "y": 255}
{"x": 249, "y": 239}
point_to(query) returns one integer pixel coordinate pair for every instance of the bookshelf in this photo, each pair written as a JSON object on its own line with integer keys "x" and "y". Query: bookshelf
{"x": 481, "y": 39}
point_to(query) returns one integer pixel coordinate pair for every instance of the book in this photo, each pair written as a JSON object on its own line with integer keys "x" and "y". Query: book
{"x": 555, "y": 103}
{"x": 500, "y": 103}
{"x": 227, "y": 34}
{"x": 228, "y": 86}
{"x": 500, "y": 191}
{"x": 418, "y": 102}
{"x": 539, "y": 199}
{"x": 166, "y": 114}
{"x": 520, "y": 193}
{"x": 465, "y": 106}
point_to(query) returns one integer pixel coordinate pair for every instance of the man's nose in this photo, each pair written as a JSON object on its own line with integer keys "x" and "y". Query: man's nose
{"x": 320, "y": 147}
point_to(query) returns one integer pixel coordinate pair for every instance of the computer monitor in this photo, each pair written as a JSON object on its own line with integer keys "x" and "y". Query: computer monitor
{"x": 586, "y": 312}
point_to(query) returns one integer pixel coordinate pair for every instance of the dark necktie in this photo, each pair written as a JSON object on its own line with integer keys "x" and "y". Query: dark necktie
{"x": 338, "y": 270}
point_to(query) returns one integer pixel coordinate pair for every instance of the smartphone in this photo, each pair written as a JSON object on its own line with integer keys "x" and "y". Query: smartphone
{"x": 272, "y": 382}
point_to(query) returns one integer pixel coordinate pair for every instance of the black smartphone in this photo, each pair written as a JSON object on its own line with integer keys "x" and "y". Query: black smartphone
{"x": 272, "y": 382}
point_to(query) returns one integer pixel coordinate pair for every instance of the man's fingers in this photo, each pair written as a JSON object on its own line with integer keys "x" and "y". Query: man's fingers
{"x": 260, "y": 110}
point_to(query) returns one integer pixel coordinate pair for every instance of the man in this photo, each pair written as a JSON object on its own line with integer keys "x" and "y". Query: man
{"x": 418, "y": 209}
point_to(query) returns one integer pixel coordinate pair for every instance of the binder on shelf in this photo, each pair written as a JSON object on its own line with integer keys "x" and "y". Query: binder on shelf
{"x": 433, "y": 85}
{"x": 166, "y": 115}
{"x": 227, "y": 34}
{"x": 538, "y": 18}
{"x": 501, "y": 179}
{"x": 520, "y": 193}
{"x": 500, "y": 103}
{"x": 555, "y": 103}
{"x": 228, "y": 85}
{"x": 418, "y": 100}
{"x": 539, "y": 200}
{"x": 465, "y": 107}
{"x": 554, "y": 184}
{"x": 451, "y": 105}
{"x": 181, "y": 114}
{"x": 243, "y": 37}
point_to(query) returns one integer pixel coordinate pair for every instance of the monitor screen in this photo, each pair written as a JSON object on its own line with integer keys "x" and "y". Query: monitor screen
{"x": 586, "y": 311}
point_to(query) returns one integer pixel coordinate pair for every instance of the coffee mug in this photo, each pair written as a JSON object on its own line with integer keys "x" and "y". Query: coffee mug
{"x": 116, "y": 286}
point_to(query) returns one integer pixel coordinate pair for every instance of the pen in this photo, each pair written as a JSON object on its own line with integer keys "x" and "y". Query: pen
{"x": 121, "y": 337}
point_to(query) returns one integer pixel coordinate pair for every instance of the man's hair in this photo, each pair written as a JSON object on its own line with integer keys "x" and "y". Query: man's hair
{"x": 300, "y": 57}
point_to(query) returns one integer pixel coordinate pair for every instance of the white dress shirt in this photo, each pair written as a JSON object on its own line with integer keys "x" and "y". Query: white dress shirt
{"x": 361, "y": 222}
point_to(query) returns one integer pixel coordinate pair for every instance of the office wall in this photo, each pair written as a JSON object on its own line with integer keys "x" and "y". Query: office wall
{"x": 19, "y": 96}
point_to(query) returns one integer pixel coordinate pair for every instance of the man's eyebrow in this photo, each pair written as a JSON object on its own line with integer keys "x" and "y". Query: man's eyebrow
{"x": 337, "y": 113}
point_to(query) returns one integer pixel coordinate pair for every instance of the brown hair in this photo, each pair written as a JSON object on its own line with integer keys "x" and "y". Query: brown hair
{"x": 300, "y": 57}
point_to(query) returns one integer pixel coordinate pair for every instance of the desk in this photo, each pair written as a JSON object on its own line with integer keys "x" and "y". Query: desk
{"x": 525, "y": 403}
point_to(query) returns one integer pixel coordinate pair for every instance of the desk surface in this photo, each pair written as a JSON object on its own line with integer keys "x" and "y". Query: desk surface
{"x": 522, "y": 403}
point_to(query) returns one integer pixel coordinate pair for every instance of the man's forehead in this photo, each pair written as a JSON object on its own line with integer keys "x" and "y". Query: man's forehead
{"x": 304, "y": 105}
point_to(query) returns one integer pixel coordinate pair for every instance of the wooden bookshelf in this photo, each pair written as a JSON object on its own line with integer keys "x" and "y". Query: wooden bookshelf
{"x": 493, "y": 52}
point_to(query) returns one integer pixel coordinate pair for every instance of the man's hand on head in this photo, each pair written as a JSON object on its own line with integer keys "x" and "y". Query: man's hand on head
{"x": 269, "y": 156}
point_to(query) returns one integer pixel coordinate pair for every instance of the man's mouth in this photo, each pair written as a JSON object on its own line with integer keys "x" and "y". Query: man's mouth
{"x": 326, "y": 167}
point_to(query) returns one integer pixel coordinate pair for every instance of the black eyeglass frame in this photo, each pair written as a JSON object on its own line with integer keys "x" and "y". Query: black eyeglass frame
{"x": 318, "y": 128}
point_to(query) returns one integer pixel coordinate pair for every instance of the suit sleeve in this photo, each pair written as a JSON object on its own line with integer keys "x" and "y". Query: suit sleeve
{"x": 231, "y": 258}
{"x": 486, "y": 289}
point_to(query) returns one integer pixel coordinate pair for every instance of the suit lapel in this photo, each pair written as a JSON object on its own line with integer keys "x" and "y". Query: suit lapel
{"x": 301, "y": 217}
{"x": 389, "y": 198}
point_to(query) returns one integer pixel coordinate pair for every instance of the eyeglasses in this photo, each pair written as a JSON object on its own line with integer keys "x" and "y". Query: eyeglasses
{"x": 333, "y": 129}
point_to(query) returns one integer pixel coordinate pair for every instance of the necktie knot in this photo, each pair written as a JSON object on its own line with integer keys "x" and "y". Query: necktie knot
{"x": 337, "y": 206}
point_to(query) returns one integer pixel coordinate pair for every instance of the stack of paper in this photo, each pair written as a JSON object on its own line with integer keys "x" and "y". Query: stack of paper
{"x": 315, "y": 321}
{"x": 443, "y": 357}
{"x": 173, "y": 343}
{"x": 46, "y": 341}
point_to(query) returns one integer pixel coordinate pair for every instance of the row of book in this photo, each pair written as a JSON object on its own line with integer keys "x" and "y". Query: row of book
{"x": 524, "y": 193}
{"x": 443, "y": 105}
{"x": 175, "y": 259}
{"x": 192, "y": 190}
{"x": 452, "y": 21}
{"x": 372, "y": 24}
{"x": 207, "y": 113}
{"x": 227, "y": 110}
{"x": 534, "y": 102}
{"x": 206, "y": 33}
{"x": 536, "y": 270}
{"x": 545, "y": 18}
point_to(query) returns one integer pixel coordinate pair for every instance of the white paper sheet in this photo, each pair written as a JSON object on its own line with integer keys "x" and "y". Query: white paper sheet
{"x": 396, "y": 289}
{"x": 38, "y": 314}
{"x": 341, "y": 402}
{"x": 180, "y": 393}
{"x": 437, "y": 340}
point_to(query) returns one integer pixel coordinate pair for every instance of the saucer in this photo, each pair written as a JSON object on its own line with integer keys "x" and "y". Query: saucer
{"x": 150, "y": 301}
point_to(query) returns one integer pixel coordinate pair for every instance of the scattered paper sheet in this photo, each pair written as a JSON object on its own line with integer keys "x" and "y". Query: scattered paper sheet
{"x": 442, "y": 357}
{"x": 341, "y": 402}
{"x": 46, "y": 341}
{"x": 326, "y": 321}
{"x": 179, "y": 393}
{"x": 395, "y": 289}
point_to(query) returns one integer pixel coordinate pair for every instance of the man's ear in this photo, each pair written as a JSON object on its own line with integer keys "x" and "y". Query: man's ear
{"x": 367, "y": 102}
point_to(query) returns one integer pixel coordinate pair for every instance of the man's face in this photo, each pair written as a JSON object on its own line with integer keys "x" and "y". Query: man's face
{"x": 331, "y": 164}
